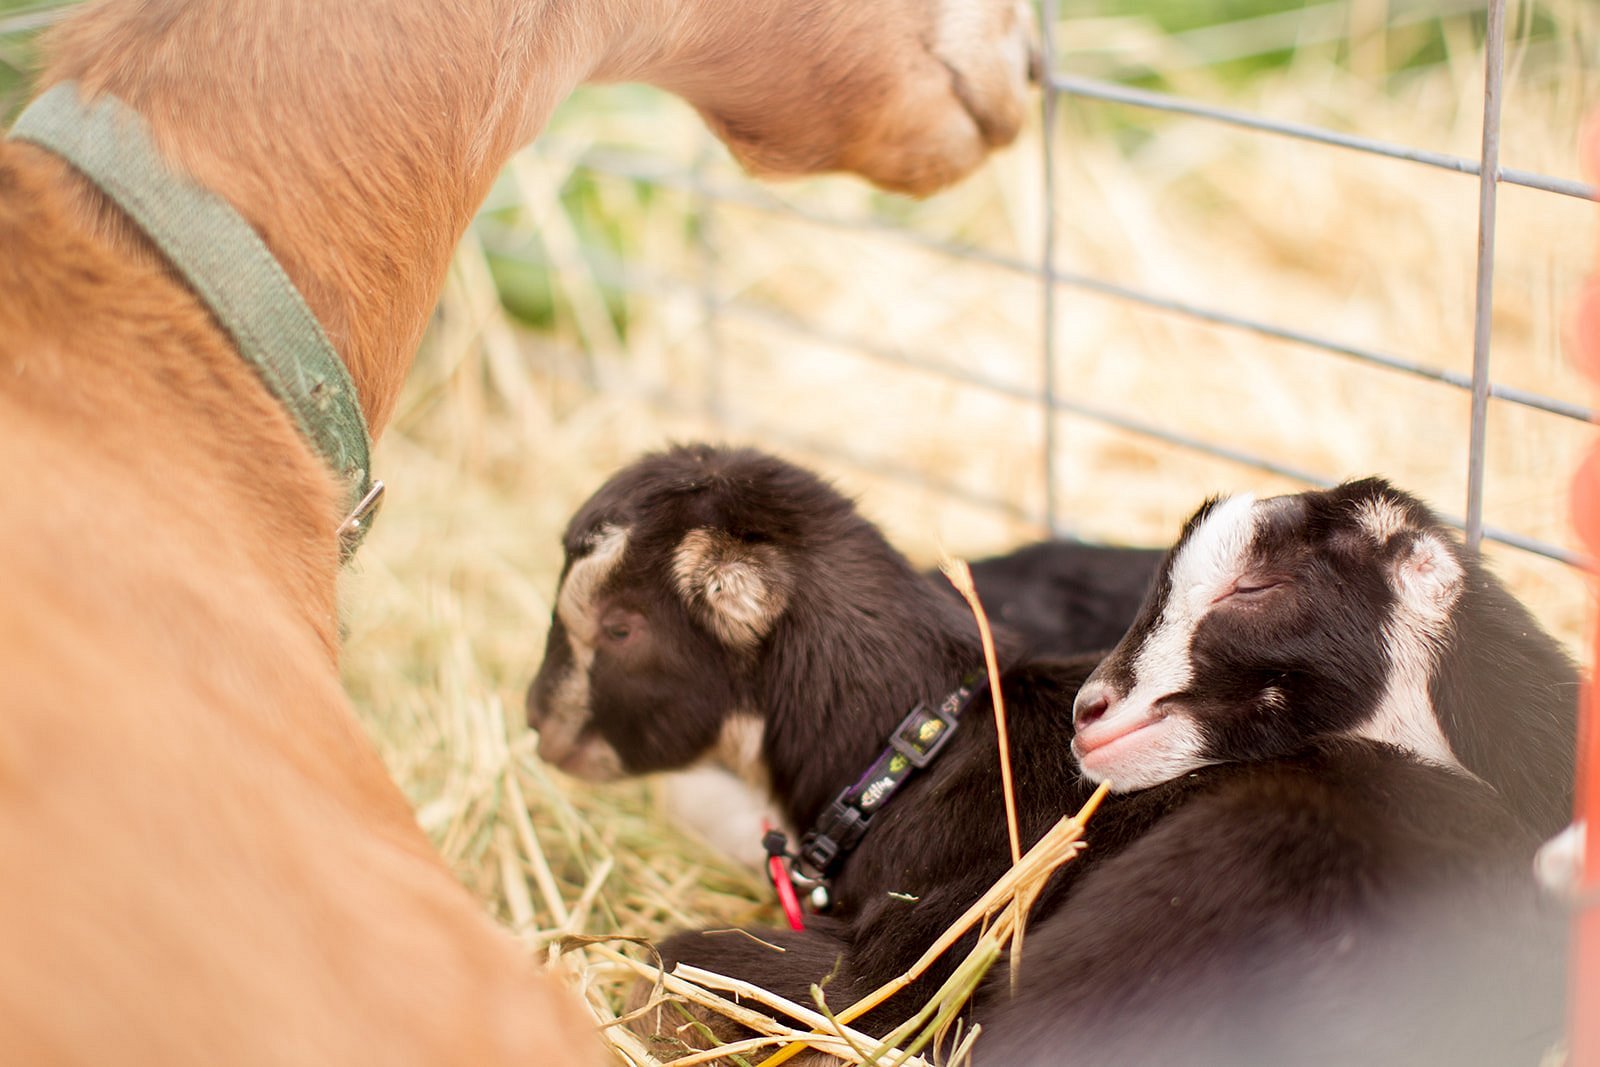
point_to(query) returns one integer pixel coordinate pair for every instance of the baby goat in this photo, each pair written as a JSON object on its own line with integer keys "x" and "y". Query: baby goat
{"x": 1058, "y": 598}
{"x": 726, "y": 601}
{"x": 1306, "y": 876}
{"x": 1356, "y": 611}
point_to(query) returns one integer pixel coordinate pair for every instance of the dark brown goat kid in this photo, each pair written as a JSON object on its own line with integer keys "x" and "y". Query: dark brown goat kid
{"x": 1300, "y": 777}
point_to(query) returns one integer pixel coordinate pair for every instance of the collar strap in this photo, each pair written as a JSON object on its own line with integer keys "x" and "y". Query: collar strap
{"x": 229, "y": 267}
{"x": 919, "y": 738}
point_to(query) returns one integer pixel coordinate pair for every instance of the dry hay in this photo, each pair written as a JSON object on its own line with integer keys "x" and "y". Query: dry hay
{"x": 502, "y": 434}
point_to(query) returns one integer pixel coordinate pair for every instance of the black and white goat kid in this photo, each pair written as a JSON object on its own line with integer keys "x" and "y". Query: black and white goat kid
{"x": 1348, "y": 612}
{"x": 1311, "y": 866}
{"x": 1308, "y": 866}
{"x": 725, "y": 601}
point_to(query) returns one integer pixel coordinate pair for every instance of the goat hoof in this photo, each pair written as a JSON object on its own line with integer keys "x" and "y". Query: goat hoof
{"x": 673, "y": 1028}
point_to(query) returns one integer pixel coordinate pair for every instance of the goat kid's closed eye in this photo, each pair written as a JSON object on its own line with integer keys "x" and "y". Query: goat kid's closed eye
{"x": 1250, "y": 590}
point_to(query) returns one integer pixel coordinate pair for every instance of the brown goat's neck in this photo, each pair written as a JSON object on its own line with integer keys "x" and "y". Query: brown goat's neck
{"x": 358, "y": 138}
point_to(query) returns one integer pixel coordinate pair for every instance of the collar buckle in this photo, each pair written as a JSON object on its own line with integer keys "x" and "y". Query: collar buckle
{"x": 836, "y": 833}
{"x": 354, "y": 527}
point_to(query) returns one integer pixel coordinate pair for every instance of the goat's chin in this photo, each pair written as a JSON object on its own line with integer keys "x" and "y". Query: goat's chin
{"x": 939, "y": 137}
{"x": 591, "y": 758}
{"x": 1157, "y": 752}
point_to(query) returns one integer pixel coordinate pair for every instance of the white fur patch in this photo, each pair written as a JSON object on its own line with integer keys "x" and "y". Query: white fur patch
{"x": 1381, "y": 519}
{"x": 727, "y": 800}
{"x": 575, "y": 603}
{"x": 1160, "y": 752}
{"x": 1427, "y": 583}
{"x": 1558, "y": 865}
{"x": 566, "y": 710}
{"x": 1206, "y": 567}
{"x": 723, "y": 810}
{"x": 740, "y": 585}
{"x": 739, "y": 748}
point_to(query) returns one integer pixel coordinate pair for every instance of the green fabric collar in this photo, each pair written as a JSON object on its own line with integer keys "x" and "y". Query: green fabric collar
{"x": 230, "y": 268}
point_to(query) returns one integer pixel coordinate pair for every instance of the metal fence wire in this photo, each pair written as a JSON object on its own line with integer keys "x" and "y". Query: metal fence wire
{"x": 710, "y": 197}
{"x": 1489, "y": 174}
{"x": 1051, "y": 398}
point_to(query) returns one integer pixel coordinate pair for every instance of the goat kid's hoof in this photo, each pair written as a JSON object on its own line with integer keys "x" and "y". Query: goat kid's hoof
{"x": 672, "y": 1028}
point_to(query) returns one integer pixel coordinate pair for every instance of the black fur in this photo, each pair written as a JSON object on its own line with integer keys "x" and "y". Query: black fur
{"x": 1507, "y": 696}
{"x": 1345, "y": 905}
{"x": 1309, "y": 897}
{"x": 1065, "y": 597}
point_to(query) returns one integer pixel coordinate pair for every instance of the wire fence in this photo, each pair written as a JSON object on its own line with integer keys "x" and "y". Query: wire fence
{"x": 1061, "y": 89}
{"x": 1486, "y": 169}
{"x": 709, "y": 197}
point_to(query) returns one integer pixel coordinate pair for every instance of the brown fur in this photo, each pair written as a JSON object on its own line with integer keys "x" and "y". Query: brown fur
{"x": 206, "y": 862}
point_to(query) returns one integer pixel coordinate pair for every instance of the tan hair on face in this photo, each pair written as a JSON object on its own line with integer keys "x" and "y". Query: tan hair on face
{"x": 566, "y": 705}
{"x": 575, "y": 602}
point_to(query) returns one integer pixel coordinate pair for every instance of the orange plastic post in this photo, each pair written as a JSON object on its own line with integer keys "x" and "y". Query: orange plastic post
{"x": 1583, "y": 1025}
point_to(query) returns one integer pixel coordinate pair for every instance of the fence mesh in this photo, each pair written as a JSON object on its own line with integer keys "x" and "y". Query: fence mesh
{"x": 720, "y": 204}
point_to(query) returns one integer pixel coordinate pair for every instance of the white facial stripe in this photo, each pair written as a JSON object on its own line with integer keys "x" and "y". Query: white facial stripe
{"x": 1207, "y": 565}
{"x": 1426, "y": 583}
{"x": 566, "y": 708}
{"x": 1170, "y": 743}
{"x": 575, "y": 604}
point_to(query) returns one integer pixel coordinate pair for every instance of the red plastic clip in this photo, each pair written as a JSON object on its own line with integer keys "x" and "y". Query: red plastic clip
{"x": 778, "y": 873}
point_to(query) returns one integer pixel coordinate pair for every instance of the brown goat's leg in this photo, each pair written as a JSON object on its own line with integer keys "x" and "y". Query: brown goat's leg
{"x": 363, "y": 154}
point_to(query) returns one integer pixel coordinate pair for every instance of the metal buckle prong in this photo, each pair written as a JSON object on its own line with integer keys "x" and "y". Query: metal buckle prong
{"x": 353, "y": 524}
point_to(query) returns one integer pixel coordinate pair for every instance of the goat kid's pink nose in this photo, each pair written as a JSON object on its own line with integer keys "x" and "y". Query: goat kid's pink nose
{"x": 1092, "y": 703}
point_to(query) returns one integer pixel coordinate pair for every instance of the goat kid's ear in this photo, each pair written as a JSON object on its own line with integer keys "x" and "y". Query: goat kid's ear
{"x": 1427, "y": 576}
{"x": 740, "y": 589}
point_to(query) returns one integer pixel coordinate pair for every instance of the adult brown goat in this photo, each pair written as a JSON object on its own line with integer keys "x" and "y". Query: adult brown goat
{"x": 207, "y": 861}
